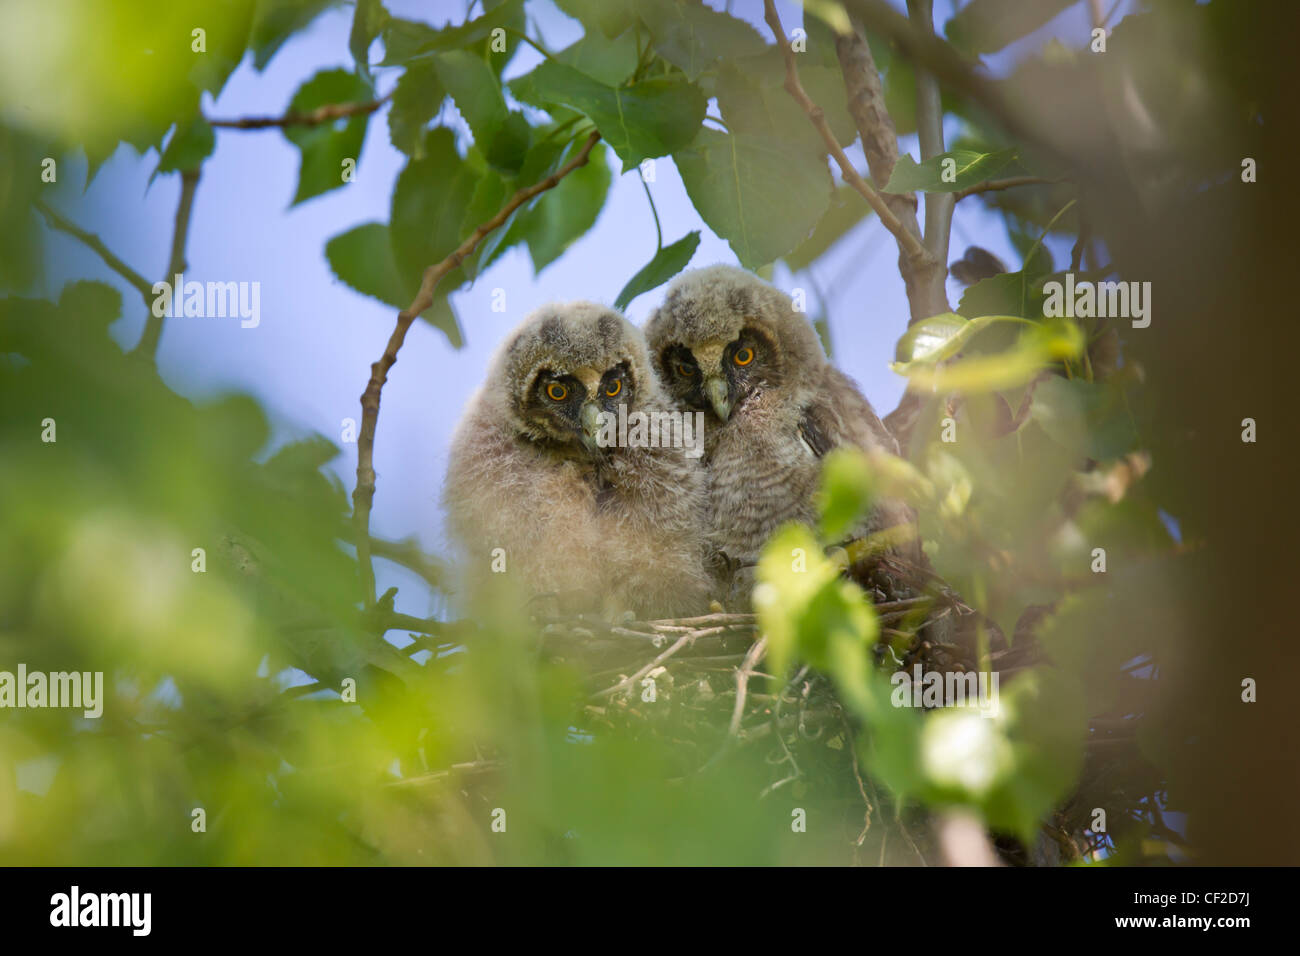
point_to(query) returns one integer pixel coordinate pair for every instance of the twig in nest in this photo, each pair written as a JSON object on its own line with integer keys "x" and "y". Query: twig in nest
{"x": 742, "y": 683}
{"x": 681, "y": 642}
{"x": 456, "y": 769}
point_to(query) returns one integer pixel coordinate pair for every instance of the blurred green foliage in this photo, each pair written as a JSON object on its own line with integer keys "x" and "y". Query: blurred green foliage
{"x": 1026, "y": 456}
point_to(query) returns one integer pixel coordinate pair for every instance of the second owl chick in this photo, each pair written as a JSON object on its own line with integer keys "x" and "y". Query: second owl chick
{"x": 729, "y": 344}
{"x": 607, "y": 529}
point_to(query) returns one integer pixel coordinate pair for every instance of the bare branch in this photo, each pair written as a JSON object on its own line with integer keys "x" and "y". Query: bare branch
{"x": 407, "y": 553}
{"x": 322, "y": 114}
{"x": 906, "y": 239}
{"x": 148, "y": 345}
{"x": 93, "y": 242}
{"x": 683, "y": 641}
{"x": 364, "y": 494}
{"x": 746, "y": 671}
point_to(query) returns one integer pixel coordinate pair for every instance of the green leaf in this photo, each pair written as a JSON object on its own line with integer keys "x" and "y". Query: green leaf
{"x": 403, "y": 39}
{"x": 609, "y": 61}
{"x": 406, "y": 40}
{"x": 847, "y": 209}
{"x": 1011, "y": 293}
{"x": 667, "y": 262}
{"x": 985, "y": 26}
{"x": 610, "y": 17}
{"x": 651, "y": 118}
{"x": 189, "y": 146}
{"x": 948, "y": 172}
{"x": 276, "y": 21}
{"x": 443, "y": 318}
{"x": 363, "y": 258}
{"x": 502, "y": 136}
{"x": 1089, "y": 418}
{"x": 693, "y": 36}
{"x": 1039, "y": 346}
{"x": 227, "y": 38}
{"x": 21, "y": 244}
{"x": 753, "y": 100}
{"x": 845, "y": 492}
{"x": 562, "y": 215}
{"x": 369, "y": 19}
{"x": 760, "y": 197}
{"x": 941, "y": 337}
{"x": 325, "y": 146}
{"x": 417, "y": 97}
{"x": 493, "y": 190}
{"x": 809, "y": 613}
{"x": 823, "y": 80}
{"x": 428, "y": 206}
{"x": 1045, "y": 725}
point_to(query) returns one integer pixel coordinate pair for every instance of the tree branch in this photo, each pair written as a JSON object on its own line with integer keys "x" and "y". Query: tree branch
{"x": 927, "y": 51}
{"x": 997, "y": 185}
{"x": 153, "y": 326}
{"x": 929, "y": 127}
{"x": 322, "y": 114}
{"x": 92, "y": 241}
{"x": 866, "y": 102}
{"x": 364, "y": 494}
{"x": 409, "y": 555}
{"x": 907, "y": 240}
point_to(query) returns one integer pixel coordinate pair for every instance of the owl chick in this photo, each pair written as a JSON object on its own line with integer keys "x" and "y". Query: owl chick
{"x": 729, "y": 344}
{"x": 535, "y": 488}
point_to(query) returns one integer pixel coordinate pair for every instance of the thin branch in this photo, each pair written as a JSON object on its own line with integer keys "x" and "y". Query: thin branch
{"x": 408, "y": 554}
{"x": 456, "y": 770}
{"x": 93, "y": 242}
{"x": 322, "y": 114}
{"x": 683, "y": 641}
{"x": 421, "y": 625}
{"x": 153, "y": 327}
{"x": 746, "y": 671}
{"x": 364, "y": 494}
{"x": 815, "y": 113}
{"x": 521, "y": 35}
{"x": 926, "y": 50}
{"x": 659, "y": 233}
{"x": 997, "y": 185}
{"x": 929, "y": 128}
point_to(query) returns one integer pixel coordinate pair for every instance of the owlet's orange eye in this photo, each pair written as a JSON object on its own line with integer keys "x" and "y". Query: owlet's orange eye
{"x": 614, "y": 387}
{"x": 684, "y": 370}
{"x": 743, "y": 356}
{"x": 557, "y": 392}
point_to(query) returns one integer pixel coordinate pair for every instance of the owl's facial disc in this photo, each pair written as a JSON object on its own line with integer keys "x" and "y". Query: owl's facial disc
{"x": 567, "y": 407}
{"x": 720, "y": 375}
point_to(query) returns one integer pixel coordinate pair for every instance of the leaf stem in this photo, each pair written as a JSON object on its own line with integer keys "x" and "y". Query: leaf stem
{"x": 659, "y": 233}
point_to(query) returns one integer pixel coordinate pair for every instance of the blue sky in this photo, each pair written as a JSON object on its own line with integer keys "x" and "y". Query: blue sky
{"x": 308, "y": 360}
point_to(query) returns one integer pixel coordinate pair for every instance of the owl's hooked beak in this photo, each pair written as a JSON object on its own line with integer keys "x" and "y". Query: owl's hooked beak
{"x": 590, "y": 419}
{"x": 716, "y": 391}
